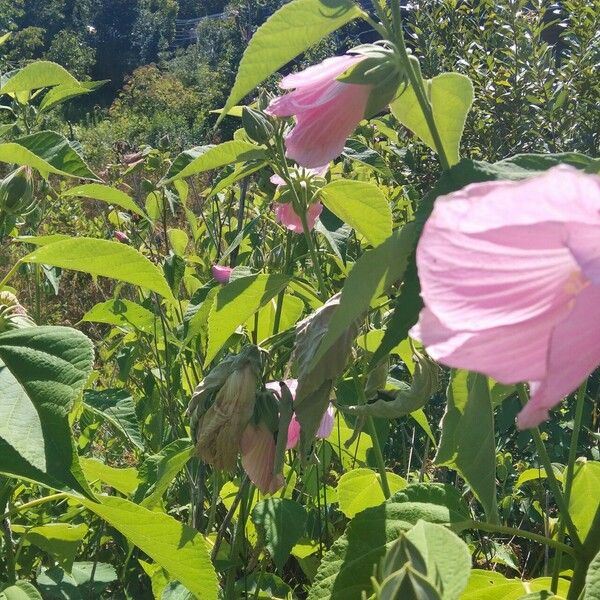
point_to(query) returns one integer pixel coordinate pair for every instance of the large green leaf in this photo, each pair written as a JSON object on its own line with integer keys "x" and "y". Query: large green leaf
{"x": 347, "y": 567}
{"x": 47, "y": 152}
{"x": 451, "y": 96}
{"x": 584, "y": 500}
{"x": 59, "y": 540}
{"x": 373, "y": 273}
{"x": 87, "y": 579}
{"x": 21, "y": 590}
{"x": 491, "y": 585}
{"x": 205, "y": 158}
{"x": 42, "y": 372}
{"x": 176, "y": 547}
{"x": 123, "y": 313}
{"x": 235, "y": 303}
{"x": 592, "y": 580}
{"x": 361, "y": 488}
{"x": 446, "y": 556}
{"x": 124, "y": 480}
{"x": 294, "y": 28}
{"x": 62, "y": 93}
{"x": 362, "y": 205}
{"x": 280, "y": 523}
{"x": 467, "y": 443}
{"x": 105, "y": 193}
{"x": 37, "y": 75}
{"x": 103, "y": 258}
{"x": 158, "y": 471}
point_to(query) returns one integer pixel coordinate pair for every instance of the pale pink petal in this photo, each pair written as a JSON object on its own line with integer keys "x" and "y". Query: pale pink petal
{"x": 287, "y": 216}
{"x": 258, "y": 458}
{"x": 277, "y": 180}
{"x": 584, "y": 243}
{"x": 293, "y": 433}
{"x": 320, "y": 133}
{"x": 326, "y": 425}
{"x": 327, "y": 70}
{"x": 221, "y": 274}
{"x": 574, "y": 352}
{"x": 292, "y": 385}
{"x": 509, "y": 354}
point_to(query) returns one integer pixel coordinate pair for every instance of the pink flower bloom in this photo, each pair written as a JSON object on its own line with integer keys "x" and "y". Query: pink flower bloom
{"x": 289, "y": 218}
{"x": 327, "y": 111}
{"x": 258, "y": 457}
{"x": 221, "y": 273}
{"x": 294, "y": 429}
{"x": 510, "y": 277}
{"x": 122, "y": 237}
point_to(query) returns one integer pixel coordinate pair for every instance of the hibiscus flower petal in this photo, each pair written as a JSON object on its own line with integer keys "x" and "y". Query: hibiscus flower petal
{"x": 258, "y": 458}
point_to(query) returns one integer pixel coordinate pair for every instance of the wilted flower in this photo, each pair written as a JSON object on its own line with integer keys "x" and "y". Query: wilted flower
{"x": 221, "y": 273}
{"x": 218, "y": 425}
{"x": 17, "y": 192}
{"x": 294, "y": 429}
{"x": 327, "y": 110}
{"x": 258, "y": 458}
{"x": 510, "y": 277}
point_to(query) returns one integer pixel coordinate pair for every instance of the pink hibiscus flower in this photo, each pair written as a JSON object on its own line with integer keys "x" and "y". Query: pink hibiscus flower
{"x": 510, "y": 277}
{"x": 325, "y": 427}
{"x": 327, "y": 111}
{"x": 221, "y": 273}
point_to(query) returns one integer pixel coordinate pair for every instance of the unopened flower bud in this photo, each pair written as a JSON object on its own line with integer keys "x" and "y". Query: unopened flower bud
{"x": 12, "y": 314}
{"x": 257, "y": 125}
{"x": 17, "y": 192}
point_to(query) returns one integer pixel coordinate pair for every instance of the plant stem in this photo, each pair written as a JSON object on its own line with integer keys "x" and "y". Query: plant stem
{"x": 385, "y": 486}
{"x": 314, "y": 256}
{"x": 512, "y": 531}
{"x": 580, "y": 403}
{"x": 33, "y": 504}
{"x": 416, "y": 81}
{"x": 286, "y": 269}
{"x": 551, "y": 478}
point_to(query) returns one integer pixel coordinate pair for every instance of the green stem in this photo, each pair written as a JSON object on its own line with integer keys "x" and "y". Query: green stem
{"x": 569, "y": 476}
{"x": 33, "y": 504}
{"x": 416, "y": 81}
{"x": 286, "y": 269}
{"x": 512, "y": 531}
{"x": 314, "y": 256}
{"x": 385, "y": 486}
{"x": 551, "y": 478}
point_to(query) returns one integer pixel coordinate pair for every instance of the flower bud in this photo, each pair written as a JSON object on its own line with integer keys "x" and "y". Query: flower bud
{"x": 257, "y": 126}
{"x": 12, "y": 314}
{"x": 16, "y": 192}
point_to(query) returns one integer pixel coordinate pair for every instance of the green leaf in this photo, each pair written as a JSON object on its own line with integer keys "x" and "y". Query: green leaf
{"x": 122, "y": 313}
{"x": 491, "y": 585}
{"x": 447, "y": 558}
{"x": 356, "y": 150}
{"x": 584, "y": 500}
{"x": 373, "y": 273}
{"x": 47, "y": 152}
{"x": 280, "y": 523}
{"x": 592, "y": 580}
{"x": 346, "y": 569}
{"x": 59, "y": 540}
{"x": 67, "y": 91}
{"x": 21, "y": 590}
{"x": 451, "y": 96}
{"x": 205, "y": 158}
{"x": 467, "y": 442}
{"x": 362, "y": 205}
{"x": 158, "y": 471}
{"x": 235, "y": 303}
{"x": 103, "y": 258}
{"x": 291, "y": 311}
{"x": 294, "y": 28}
{"x": 116, "y": 406}
{"x": 361, "y": 488}
{"x": 536, "y": 475}
{"x": 124, "y": 480}
{"x": 56, "y": 584}
{"x": 105, "y": 193}
{"x": 42, "y": 373}
{"x": 357, "y": 452}
{"x": 178, "y": 548}
{"x": 37, "y": 75}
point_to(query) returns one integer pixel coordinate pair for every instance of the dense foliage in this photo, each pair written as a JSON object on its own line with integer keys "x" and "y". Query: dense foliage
{"x": 211, "y": 382}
